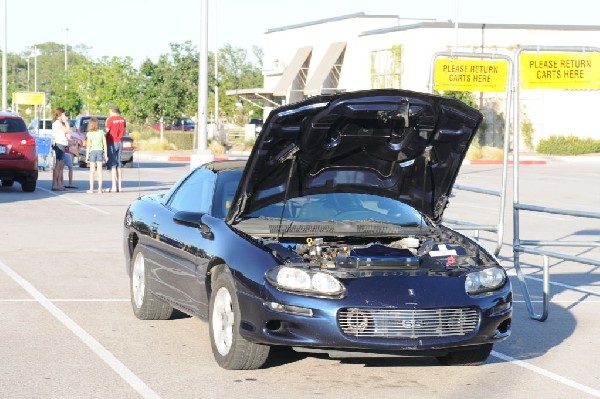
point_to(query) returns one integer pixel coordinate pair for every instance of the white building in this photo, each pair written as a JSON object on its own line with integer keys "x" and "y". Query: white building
{"x": 358, "y": 51}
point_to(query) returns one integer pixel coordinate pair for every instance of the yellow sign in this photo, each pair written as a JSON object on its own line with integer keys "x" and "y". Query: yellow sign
{"x": 560, "y": 71}
{"x": 29, "y": 98}
{"x": 470, "y": 75}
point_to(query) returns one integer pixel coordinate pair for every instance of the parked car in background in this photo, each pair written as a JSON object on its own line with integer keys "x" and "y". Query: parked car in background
{"x": 18, "y": 154}
{"x": 81, "y": 127}
{"x": 40, "y": 126}
{"x": 329, "y": 237}
{"x": 258, "y": 124}
{"x": 183, "y": 124}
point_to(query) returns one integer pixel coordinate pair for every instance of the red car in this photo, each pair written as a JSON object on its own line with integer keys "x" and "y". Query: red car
{"x": 18, "y": 153}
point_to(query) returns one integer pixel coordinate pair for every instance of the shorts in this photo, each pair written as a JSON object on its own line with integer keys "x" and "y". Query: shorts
{"x": 97, "y": 156}
{"x": 114, "y": 155}
{"x": 59, "y": 151}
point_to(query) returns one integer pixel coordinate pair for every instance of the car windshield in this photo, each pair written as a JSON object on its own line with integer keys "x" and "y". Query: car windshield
{"x": 12, "y": 125}
{"x": 86, "y": 122}
{"x": 337, "y": 207}
{"x": 343, "y": 207}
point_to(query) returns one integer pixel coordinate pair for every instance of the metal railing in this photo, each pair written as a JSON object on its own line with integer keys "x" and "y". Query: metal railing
{"x": 466, "y": 225}
{"x": 524, "y": 246}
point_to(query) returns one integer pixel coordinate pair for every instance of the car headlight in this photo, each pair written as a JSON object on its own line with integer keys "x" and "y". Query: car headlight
{"x": 486, "y": 280}
{"x": 304, "y": 281}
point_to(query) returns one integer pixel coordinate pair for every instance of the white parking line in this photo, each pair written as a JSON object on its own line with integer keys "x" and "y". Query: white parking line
{"x": 114, "y": 363}
{"x": 548, "y": 374}
{"x": 75, "y": 201}
{"x": 69, "y": 300}
{"x": 563, "y": 301}
{"x": 513, "y": 275}
{"x": 566, "y": 286}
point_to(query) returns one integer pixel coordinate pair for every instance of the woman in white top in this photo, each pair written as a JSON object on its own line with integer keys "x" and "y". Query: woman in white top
{"x": 61, "y": 131}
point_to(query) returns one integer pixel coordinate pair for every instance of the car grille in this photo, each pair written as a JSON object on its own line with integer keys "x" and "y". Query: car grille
{"x": 398, "y": 323}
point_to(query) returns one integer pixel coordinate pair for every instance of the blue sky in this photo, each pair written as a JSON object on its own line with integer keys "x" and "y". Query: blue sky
{"x": 144, "y": 28}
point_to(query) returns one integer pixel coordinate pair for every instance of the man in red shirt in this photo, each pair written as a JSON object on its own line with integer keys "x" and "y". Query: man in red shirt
{"x": 115, "y": 129}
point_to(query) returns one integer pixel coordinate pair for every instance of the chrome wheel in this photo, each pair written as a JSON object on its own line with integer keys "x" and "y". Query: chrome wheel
{"x": 222, "y": 321}
{"x": 138, "y": 281}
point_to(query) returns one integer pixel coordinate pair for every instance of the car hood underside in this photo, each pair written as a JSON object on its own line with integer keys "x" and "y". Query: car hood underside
{"x": 393, "y": 143}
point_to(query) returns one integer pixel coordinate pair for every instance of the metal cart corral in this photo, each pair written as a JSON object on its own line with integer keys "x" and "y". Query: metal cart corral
{"x": 44, "y": 151}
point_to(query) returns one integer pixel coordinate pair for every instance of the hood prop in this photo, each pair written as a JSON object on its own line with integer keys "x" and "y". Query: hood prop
{"x": 291, "y": 154}
{"x": 426, "y": 166}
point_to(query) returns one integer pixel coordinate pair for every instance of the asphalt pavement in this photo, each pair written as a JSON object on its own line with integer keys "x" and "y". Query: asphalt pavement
{"x": 67, "y": 329}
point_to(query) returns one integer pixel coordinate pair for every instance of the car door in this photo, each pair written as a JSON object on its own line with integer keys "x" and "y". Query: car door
{"x": 178, "y": 246}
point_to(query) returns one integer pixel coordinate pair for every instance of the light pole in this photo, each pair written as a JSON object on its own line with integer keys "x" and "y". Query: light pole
{"x": 4, "y": 57}
{"x": 203, "y": 155}
{"x": 216, "y": 76}
{"x": 66, "y": 59}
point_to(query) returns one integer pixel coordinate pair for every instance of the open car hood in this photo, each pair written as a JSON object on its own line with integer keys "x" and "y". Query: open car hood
{"x": 393, "y": 143}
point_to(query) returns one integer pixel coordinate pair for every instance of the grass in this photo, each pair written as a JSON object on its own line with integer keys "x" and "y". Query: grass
{"x": 484, "y": 152}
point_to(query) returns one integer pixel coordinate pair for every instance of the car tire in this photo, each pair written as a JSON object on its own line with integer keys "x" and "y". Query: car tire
{"x": 470, "y": 357}
{"x": 83, "y": 164}
{"x": 145, "y": 305}
{"x": 28, "y": 185}
{"x": 7, "y": 183}
{"x": 230, "y": 349}
{"x": 128, "y": 164}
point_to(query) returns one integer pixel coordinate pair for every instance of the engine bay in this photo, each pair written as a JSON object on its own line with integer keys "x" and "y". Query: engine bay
{"x": 445, "y": 253}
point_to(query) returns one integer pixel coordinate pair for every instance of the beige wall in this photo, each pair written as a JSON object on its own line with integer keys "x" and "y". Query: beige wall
{"x": 552, "y": 112}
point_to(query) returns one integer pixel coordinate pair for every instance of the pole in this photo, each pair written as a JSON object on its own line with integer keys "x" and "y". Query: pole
{"x": 4, "y": 57}
{"x": 456, "y": 25}
{"x": 35, "y": 68}
{"x": 203, "y": 155}
{"x": 216, "y": 77}
{"x": 35, "y": 108}
{"x": 203, "y": 78}
{"x": 66, "y": 59}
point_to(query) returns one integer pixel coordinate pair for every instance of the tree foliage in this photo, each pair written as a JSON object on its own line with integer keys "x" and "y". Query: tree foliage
{"x": 166, "y": 87}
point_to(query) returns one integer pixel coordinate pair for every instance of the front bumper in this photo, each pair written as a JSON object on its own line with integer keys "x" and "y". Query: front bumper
{"x": 322, "y": 330}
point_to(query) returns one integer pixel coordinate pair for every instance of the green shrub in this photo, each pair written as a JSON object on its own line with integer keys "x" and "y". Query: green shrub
{"x": 568, "y": 145}
{"x": 477, "y": 151}
{"x": 154, "y": 144}
{"x": 145, "y": 133}
{"x": 181, "y": 140}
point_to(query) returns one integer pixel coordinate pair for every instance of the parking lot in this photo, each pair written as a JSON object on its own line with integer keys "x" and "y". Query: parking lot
{"x": 67, "y": 329}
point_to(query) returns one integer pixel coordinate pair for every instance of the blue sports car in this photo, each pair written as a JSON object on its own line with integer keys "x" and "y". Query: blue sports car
{"x": 328, "y": 237}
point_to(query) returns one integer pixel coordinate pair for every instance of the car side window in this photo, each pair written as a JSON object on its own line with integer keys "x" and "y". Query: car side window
{"x": 195, "y": 193}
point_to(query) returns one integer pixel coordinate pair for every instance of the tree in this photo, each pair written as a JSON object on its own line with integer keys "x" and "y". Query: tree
{"x": 107, "y": 81}
{"x": 236, "y": 72}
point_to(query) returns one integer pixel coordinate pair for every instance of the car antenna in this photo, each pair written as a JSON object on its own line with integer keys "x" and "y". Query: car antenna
{"x": 427, "y": 156}
{"x": 291, "y": 154}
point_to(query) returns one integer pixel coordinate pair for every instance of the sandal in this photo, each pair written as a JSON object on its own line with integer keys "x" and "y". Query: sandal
{"x": 70, "y": 186}
{"x": 59, "y": 189}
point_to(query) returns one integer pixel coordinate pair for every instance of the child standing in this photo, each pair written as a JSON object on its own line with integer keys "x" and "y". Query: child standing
{"x": 96, "y": 152}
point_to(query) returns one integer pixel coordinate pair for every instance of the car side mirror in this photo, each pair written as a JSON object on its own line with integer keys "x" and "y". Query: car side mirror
{"x": 194, "y": 219}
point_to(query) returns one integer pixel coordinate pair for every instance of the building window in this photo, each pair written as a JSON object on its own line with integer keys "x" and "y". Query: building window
{"x": 386, "y": 68}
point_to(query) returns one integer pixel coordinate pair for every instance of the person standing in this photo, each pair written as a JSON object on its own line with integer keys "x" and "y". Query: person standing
{"x": 61, "y": 132}
{"x": 96, "y": 152}
{"x": 115, "y": 129}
